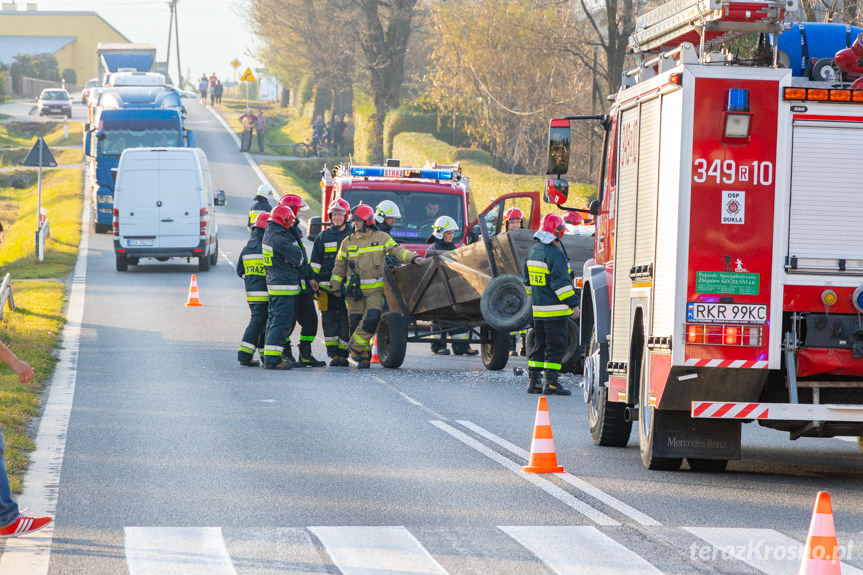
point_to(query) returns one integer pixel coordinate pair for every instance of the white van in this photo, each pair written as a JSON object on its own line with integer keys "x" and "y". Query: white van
{"x": 164, "y": 207}
{"x": 135, "y": 78}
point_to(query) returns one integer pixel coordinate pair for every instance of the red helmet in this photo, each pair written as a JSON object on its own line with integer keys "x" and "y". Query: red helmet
{"x": 553, "y": 224}
{"x": 261, "y": 220}
{"x": 282, "y": 215}
{"x": 513, "y": 214}
{"x": 294, "y": 202}
{"x": 573, "y": 218}
{"x": 339, "y": 206}
{"x": 364, "y": 213}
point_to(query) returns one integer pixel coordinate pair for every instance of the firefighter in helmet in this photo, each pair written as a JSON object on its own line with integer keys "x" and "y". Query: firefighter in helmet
{"x": 282, "y": 261}
{"x": 261, "y": 203}
{"x": 334, "y": 314}
{"x": 513, "y": 219}
{"x": 305, "y": 313}
{"x": 359, "y": 268}
{"x": 547, "y": 280}
{"x": 250, "y": 267}
{"x": 443, "y": 231}
{"x": 386, "y": 214}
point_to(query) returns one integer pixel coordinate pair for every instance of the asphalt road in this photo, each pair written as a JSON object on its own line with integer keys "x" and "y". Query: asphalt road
{"x": 177, "y": 460}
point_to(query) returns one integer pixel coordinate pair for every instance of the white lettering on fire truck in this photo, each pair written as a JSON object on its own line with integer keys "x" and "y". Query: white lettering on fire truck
{"x": 733, "y": 207}
{"x": 728, "y": 172}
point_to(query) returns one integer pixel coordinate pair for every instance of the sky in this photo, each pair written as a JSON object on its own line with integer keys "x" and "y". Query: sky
{"x": 212, "y": 32}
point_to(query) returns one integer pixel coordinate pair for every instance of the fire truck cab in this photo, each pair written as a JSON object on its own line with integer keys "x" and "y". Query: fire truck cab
{"x": 422, "y": 195}
{"x": 727, "y": 278}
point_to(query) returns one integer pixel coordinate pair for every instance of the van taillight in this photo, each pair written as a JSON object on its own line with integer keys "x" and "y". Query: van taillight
{"x": 204, "y": 222}
{"x": 115, "y": 223}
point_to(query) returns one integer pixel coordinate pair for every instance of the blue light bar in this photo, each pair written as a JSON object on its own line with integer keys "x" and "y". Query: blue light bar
{"x": 381, "y": 172}
{"x": 737, "y": 100}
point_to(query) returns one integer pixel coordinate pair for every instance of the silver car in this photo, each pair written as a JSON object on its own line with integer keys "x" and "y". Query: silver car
{"x": 54, "y": 101}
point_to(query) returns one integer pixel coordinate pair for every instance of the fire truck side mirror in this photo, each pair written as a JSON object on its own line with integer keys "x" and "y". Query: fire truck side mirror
{"x": 315, "y": 227}
{"x": 558, "y": 147}
{"x": 593, "y": 209}
{"x": 556, "y": 191}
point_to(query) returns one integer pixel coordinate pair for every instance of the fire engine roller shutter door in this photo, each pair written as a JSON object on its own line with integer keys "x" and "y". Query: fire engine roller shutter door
{"x": 624, "y": 232}
{"x": 648, "y": 180}
{"x": 826, "y": 198}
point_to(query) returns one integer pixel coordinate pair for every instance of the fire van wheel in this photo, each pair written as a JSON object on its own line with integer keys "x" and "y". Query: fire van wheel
{"x": 204, "y": 264}
{"x": 214, "y": 257}
{"x": 647, "y": 422}
{"x": 494, "y": 348}
{"x": 608, "y": 426}
{"x": 122, "y": 262}
{"x": 504, "y": 303}
{"x": 707, "y": 465}
{"x": 392, "y": 339}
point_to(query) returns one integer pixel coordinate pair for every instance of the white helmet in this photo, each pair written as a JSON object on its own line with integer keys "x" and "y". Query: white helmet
{"x": 443, "y": 224}
{"x": 265, "y": 191}
{"x": 386, "y": 209}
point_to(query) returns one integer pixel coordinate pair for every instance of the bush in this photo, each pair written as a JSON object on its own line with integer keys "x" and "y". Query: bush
{"x": 69, "y": 76}
{"x": 363, "y": 128}
{"x": 305, "y": 92}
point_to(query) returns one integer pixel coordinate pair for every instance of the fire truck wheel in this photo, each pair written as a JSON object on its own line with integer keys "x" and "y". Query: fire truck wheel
{"x": 573, "y": 359}
{"x": 494, "y": 349}
{"x": 392, "y": 339}
{"x": 608, "y": 426}
{"x": 504, "y": 303}
{"x": 707, "y": 465}
{"x": 647, "y": 422}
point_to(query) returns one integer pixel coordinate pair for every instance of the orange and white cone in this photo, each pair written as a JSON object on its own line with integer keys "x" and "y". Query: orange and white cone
{"x": 375, "y": 358}
{"x": 193, "y": 299}
{"x": 821, "y": 556}
{"x": 542, "y": 455}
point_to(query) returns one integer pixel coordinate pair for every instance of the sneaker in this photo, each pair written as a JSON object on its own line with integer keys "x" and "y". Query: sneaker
{"x": 441, "y": 351}
{"x": 250, "y": 363}
{"x": 24, "y": 525}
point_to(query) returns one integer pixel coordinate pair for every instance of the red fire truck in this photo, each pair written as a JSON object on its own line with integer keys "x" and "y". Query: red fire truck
{"x": 422, "y": 195}
{"x": 727, "y": 279}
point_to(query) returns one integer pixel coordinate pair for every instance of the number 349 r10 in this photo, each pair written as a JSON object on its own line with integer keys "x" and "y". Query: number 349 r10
{"x": 721, "y": 312}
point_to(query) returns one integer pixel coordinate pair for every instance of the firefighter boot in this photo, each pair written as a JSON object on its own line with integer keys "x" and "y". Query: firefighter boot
{"x": 288, "y": 355}
{"x": 338, "y": 361}
{"x": 306, "y": 357}
{"x": 513, "y": 343}
{"x": 534, "y": 380}
{"x": 523, "y": 344}
{"x": 552, "y": 387}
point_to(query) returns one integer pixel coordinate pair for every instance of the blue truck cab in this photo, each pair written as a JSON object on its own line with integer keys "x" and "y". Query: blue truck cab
{"x": 127, "y": 121}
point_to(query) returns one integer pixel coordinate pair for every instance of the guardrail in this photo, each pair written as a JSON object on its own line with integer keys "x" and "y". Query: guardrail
{"x": 6, "y": 298}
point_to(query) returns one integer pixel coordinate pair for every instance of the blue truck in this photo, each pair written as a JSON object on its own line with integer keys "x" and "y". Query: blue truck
{"x": 112, "y": 131}
{"x": 120, "y": 56}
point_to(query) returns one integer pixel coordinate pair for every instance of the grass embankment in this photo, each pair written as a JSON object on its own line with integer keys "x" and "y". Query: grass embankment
{"x": 284, "y": 126}
{"x": 22, "y": 134}
{"x": 31, "y": 331}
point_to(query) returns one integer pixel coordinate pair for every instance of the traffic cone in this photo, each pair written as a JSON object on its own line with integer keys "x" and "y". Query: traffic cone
{"x": 542, "y": 456}
{"x": 193, "y": 299}
{"x": 375, "y": 358}
{"x": 821, "y": 556}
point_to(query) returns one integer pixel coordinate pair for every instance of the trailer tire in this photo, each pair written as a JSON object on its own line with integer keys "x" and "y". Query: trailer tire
{"x": 392, "y": 339}
{"x": 494, "y": 349}
{"x": 824, "y": 71}
{"x": 122, "y": 262}
{"x": 707, "y": 465}
{"x": 647, "y": 421}
{"x": 505, "y": 305}
{"x": 608, "y": 426}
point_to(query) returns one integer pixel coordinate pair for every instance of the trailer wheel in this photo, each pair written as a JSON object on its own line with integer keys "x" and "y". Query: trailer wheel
{"x": 824, "y": 71}
{"x": 392, "y": 339}
{"x": 647, "y": 421}
{"x": 707, "y": 465}
{"x": 494, "y": 348}
{"x": 122, "y": 262}
{"x": 504, "y": 304}
{"x": 608, "y": 426}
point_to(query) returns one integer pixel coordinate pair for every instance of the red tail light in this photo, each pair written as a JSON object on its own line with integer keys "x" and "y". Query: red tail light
{"x": 204, "y": 222}
{"x": 115, "y": 223}
{"x": 731, "y": 335}
{"x": 737, "y": 335}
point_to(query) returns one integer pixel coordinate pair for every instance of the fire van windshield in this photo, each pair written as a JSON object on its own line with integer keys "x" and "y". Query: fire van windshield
{"x": 419, "y": 211}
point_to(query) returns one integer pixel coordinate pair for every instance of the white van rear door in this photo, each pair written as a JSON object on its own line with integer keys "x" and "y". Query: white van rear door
{"x": 180, "y": 194}
{"x": 137, "y": 200}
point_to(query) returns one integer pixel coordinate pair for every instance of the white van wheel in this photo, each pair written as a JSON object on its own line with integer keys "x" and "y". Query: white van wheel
{"x": 204, "y": 263}
{"x": 214, "y": 257}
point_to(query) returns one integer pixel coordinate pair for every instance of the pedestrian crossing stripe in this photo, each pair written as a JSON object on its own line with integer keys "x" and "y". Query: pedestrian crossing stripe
{"x": 374, "y": 550}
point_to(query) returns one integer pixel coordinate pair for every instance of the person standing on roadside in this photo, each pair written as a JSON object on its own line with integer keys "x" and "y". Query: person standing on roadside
{"x": 513, "y": 219}
{"x": 219, "y": 89}
{"x": 339, "y": 135}
{"x": 12, "y": 522}
{"x": 261, "y": 126}
{"x": 249, "y": 122}
{"x": 250, "y": 267}
{"x": 203, "y": 85}
{"x": 282, "y": 260}
{"x": 211, "y": 85}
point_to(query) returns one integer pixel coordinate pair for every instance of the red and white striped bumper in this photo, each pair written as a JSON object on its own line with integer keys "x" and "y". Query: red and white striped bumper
{"x": 732, "y": 363}
{"x": 776, "y": 411}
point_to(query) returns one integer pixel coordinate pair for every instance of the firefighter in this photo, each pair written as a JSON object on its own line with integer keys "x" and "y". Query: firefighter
{"x": 334, "y": 314}
{"x": 386, "y": 214}
{"x": 547, "y": 280}
{"x": 262, "y": 203}
{"x": 282, "y": 260}
{"x": 513, "y": 219}
{"x": 304, "y": 311}
{"x": 360, "y": 261}
{"x": 443, "y": 231}
{"x": 250, "y": 267}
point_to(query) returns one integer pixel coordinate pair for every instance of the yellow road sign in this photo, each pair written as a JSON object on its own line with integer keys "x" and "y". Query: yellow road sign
{"x": 247, "y": 76}
{"x": 235, "y": 62}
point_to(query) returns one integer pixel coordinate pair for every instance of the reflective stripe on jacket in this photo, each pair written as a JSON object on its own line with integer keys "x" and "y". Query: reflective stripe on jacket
{"x": 250, "y": 267}
{"x": 324, "y": 252}
{"x": 367, "y": 250}
{"x": 282, "y": 259}
{"x": 547, "y": 280}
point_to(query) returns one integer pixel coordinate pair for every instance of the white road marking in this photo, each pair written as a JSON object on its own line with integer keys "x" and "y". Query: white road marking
{"x": 249, "y": 159}
{"x": 576, "y": 482}
{"x": 593, "y": 514}
{"x": 31, "y": 554}
{"x": 227, "y": 256}
{"x": 377, "y": 551}
{"x": 408, "y": 398}
{"x": 767, "y": 550}
{"x": 177, "y": 550}
{"x": 580, "y": 550}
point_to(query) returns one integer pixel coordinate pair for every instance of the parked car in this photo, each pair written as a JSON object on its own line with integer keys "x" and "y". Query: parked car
{"x": 92, "y": 83}
{"x": 54, "y": 101}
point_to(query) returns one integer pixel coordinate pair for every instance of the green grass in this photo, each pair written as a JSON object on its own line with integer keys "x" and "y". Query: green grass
{"x": 61, "y": 196}
{"x": 31, "y": 331}
{"x": 301, "y": 177}
{"x": 23, "y": 133}
{"x": 281, "y": 132}
{"x": 11, "y": 158}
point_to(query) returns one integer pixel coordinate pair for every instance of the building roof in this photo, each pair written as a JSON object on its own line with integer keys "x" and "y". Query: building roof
{"x": 10, "y": 46}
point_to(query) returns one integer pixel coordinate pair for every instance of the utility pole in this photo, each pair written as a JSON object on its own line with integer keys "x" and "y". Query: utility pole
{"x": 170, "y": 32}
{"x": 177, "y": 42}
